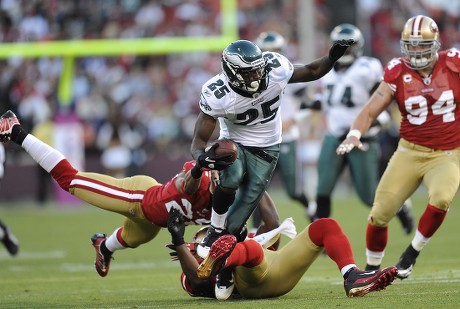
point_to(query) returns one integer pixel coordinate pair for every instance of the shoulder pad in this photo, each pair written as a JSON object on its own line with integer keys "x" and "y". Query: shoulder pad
{"x": 452, "y": 57}
{"x": 281, "y": 69}
{"x": 393, "y": 69}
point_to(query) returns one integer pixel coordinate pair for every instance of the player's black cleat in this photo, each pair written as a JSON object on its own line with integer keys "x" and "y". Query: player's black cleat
{"x": 406, "y": 262}
{"x": 406, "y": 217}
{"x": 205, "y": 244}
{"x": 224, "y": 284}
{"x": 9, "y": 240}
{"x": 372, "y": 267}
{"x": 102, "y": 262}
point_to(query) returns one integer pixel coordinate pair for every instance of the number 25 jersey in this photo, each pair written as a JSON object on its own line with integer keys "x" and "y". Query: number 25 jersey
{"x": 429, "y": 106}
{"x": 251, "y": 121}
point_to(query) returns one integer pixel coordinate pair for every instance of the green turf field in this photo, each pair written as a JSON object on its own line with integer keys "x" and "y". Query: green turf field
{"x": 54, "y": 268}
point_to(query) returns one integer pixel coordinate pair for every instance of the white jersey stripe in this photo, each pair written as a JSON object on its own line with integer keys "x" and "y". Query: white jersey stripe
{"x": 111, "y": 191}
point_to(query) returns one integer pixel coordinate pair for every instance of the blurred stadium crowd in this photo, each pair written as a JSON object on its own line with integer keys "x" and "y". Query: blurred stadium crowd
{"x": 148, "y": 103}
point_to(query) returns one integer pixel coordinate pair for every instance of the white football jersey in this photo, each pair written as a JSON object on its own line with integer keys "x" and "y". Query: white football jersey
{"x": 344, "y": 93}
{"x": 252, "y": 121}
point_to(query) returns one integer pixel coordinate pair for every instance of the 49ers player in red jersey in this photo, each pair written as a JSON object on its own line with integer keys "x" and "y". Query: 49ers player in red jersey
{"x": 141, "y": 199}
{"x": 263, "y": 273}
{"x": 425, "y": 84}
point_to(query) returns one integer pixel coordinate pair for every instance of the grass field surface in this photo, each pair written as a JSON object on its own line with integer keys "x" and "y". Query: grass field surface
{"x": 54, "y": 268}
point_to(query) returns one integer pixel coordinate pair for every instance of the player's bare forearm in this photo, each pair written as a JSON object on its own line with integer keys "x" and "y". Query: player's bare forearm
{"x": 188, "y": 262}
{"x": 363, "y": 121}
{"x": 312, "y": 71}
{"x": 191, "y": 184}
{"x": 189, "y": 265}
{"x": 269, "y": 215}
{"x": 378, "y": 102}
{"x": 204, "y": 127}
{"x": 268, "y": 212}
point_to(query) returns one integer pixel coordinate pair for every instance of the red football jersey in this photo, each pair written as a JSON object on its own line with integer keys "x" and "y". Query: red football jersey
{"x": 429, "y": 107}
{"x": 196, "y": 207}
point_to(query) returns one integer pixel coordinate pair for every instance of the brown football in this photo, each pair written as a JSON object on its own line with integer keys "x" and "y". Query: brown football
{"x": 227, "y": 146}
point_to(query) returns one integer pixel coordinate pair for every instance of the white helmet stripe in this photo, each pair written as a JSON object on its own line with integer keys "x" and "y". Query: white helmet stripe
{"x": 417, "y": 26}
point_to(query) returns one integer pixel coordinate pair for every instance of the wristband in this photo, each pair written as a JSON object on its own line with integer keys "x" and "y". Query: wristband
{"x": 196, "y": 171}
{"x": 356, "y": 133}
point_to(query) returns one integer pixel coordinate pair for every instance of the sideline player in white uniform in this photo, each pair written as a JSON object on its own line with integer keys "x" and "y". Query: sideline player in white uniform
{"x": 343, "y": 92}
{"x": 244, "y": 98}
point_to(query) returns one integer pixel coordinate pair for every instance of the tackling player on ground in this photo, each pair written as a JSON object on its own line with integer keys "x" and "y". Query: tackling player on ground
{"x": 141, "y": 199}
{"x": 262, "y": 273}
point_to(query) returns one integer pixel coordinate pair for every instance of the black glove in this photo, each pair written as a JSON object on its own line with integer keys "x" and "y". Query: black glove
{"x": 176, "y": 226}
{"x": 210, "y": 160}
{"x": 339, "y": 48}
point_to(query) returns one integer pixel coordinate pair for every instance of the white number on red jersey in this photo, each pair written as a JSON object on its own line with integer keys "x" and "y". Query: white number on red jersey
{"x": 417, "y": 107}
{"x": 185, "y": 203}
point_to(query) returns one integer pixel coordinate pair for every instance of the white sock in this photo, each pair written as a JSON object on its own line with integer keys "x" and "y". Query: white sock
{"x": 374, "y": 258}
{"x": 347, "y": 268}
{"x": 43, "y": 154}
{"x": 112, "y": 242}
{"x": 218, "y": 221}
{"x": 419, "y": 241}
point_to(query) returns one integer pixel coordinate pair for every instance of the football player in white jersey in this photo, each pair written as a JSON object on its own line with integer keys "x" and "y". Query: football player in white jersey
{"x": 342, "y": 93}
{"x": 244, "y": 99}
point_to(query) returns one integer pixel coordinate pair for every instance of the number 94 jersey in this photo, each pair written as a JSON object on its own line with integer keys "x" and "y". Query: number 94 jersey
{"x": 251, "y": 121}
{"x": 429, "y": 106}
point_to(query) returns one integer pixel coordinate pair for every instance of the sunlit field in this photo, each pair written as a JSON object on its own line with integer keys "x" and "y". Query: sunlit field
{"x": 54, "y": 268}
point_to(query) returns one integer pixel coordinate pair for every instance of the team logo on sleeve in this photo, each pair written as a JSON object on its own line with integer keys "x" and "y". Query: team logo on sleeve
{"x": 407, "y": 78}
{"x": 204, "y": 104}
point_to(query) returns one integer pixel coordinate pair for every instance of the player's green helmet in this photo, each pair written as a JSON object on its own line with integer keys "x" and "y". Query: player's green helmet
{"x": 245, "y": 66}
